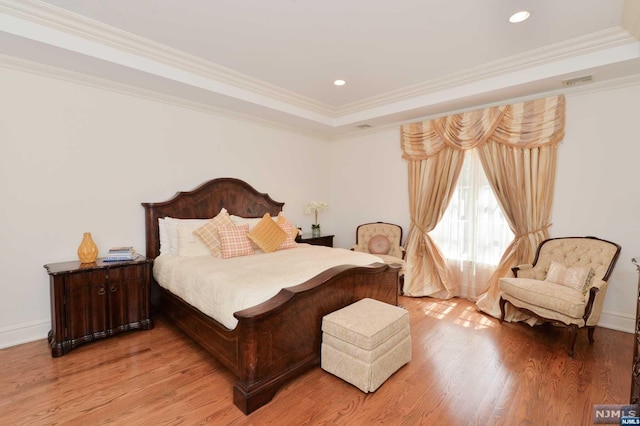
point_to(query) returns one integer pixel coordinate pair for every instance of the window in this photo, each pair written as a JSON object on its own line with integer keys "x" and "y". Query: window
{"x": 473, "y": 233}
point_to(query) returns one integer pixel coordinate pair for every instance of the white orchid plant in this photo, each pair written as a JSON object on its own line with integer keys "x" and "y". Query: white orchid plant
{"x": 314, "y": 207}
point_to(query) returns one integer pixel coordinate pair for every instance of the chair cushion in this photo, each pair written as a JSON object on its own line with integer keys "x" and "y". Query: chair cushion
{"x": 379, "y": 244}
{"x": 544, "y": 294}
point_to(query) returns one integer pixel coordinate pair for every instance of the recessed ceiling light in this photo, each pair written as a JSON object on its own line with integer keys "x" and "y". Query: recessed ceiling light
{"x": 339, "y": 82}
{"x": 523, "y": 15}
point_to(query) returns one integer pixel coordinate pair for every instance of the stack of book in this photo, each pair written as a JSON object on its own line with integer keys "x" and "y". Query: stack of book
{"x": 120, "y": 254}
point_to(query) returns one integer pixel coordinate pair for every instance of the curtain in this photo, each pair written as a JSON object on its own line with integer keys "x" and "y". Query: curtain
{"x": 517, "y": 147}
{"x": 431, "y": 184}
{"x": 473, "y": 233}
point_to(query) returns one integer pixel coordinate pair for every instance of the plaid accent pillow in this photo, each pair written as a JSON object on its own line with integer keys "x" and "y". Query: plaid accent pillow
{"x": 234, "y": 241}
{"x": 267, "y": 234}
{"x": 208, "y": 232}
{"x": 292, "y": 232}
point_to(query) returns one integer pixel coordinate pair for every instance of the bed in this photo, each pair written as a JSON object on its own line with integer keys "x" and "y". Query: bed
{"x": 280, "y": 338}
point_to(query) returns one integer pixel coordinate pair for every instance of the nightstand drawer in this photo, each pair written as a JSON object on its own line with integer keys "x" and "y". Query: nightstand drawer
{"x": 322, "y": 240}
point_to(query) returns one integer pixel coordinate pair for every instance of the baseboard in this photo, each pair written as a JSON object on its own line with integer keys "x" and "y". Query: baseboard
{"x": 24, "y": 333}
{"x": 617, "y": 321}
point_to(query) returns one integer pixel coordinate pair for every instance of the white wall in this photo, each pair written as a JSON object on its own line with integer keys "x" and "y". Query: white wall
{"x": 76, "y": 159}
{"x": 597, "y": 191}
{"x": 368, "y": 184}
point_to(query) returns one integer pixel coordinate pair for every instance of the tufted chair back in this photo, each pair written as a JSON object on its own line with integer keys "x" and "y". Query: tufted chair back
{"x": 365, "y": 232}
{"x": 598, "y": 254}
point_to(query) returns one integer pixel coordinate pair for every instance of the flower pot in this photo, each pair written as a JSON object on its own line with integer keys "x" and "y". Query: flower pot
{"x": 315, "y": 231}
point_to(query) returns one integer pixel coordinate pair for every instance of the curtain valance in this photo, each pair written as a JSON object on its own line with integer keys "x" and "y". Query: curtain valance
{"x": 522, "y": 125}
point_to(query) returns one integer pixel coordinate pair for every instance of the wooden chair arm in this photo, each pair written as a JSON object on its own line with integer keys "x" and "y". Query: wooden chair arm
{"x": 518, "y": 268}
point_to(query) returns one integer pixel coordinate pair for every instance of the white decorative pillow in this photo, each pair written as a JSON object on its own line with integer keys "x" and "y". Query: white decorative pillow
{"x": 234, "y": 241}
{"x": 251, "y": 221}
{"x": 171, "y": 230}
{"x": 577, "y": 277}
{"x": 189, "y": 244}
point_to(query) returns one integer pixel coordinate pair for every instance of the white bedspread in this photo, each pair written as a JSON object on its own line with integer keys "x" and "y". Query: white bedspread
{"x": 220, "y": 287}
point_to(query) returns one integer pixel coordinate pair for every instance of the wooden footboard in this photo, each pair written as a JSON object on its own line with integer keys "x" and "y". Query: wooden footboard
{"x": 280, "y": 338}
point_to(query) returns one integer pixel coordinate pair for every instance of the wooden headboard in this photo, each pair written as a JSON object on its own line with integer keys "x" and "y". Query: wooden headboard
{"x": 205, "y": 202}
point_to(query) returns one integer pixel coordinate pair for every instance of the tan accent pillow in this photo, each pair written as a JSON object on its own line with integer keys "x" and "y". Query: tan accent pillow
{"x": 379, "y": 244}
{"x": 267, "y": 234}
{"x": 577, "y": 277}
{"x": 234, "y": 241}
{"x": 290, "y": 229}
{"x": 208, "y": 232}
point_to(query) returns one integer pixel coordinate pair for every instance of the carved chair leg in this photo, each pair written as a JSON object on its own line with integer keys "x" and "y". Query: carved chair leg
{"x": 503, "y": 302}
{"x": 573, "y": 334}
{"x": 590, "y": 331}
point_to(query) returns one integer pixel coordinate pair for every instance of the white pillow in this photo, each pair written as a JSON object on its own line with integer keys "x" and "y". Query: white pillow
{"x": 251, "y": 221}
{"x": 165, "y": 246}
{"x": 189, "y": 244}
{"x": 171, "y": 230}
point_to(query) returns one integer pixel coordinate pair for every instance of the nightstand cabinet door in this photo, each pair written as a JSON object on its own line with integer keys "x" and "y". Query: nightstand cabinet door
{"x": 85, "y": 306}
{"x": 127, "y": 289}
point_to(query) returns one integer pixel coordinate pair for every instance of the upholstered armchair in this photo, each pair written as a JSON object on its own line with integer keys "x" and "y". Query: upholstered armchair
{"x": 565, "y": 285}
{"x": 383, "y": 240}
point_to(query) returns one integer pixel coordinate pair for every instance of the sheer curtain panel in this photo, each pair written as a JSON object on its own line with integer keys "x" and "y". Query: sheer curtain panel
{"x": 473, "y": 233}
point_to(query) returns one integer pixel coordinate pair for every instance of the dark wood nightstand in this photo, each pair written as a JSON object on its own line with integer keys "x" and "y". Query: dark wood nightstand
{"x": 322, "y": 240}
{"x": 96, "y": 300}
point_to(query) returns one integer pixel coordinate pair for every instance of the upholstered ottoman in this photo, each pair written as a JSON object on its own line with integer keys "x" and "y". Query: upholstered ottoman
{"x": 365, "y": 343}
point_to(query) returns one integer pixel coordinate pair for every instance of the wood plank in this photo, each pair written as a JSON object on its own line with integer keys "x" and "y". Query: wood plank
{"x": 467, "y": 368}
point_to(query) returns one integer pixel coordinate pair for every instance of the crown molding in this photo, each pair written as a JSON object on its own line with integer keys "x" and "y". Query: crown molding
{"x": 599, "y": 86}
{"x": 188, "y": 69}
{"x": 87, "y": 29}
{"x": 605, "y": 39}
{"x": 128, "y": 90}
{"x": 23, "y": 65}
{"x": 55, "y": 18}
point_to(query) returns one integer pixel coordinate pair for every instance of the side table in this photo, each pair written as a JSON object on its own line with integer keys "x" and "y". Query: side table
{"x": 90, "y": 301}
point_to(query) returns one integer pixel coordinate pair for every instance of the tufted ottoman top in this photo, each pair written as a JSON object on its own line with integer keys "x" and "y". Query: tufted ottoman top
{"x": 366, "y": 323}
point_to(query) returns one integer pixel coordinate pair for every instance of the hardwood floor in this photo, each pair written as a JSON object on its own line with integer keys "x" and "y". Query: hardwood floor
{"x": 467, "y": 369}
